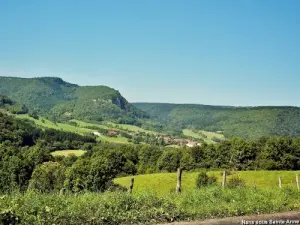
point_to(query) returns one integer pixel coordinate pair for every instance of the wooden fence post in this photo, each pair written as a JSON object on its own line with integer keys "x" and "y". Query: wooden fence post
{"x": 131, "y": 185}
{"x": 280, "y": 182}
{"x": 179, "y": 175}
{"x": 224, "y": 179}
{"x": 297, "y": 181}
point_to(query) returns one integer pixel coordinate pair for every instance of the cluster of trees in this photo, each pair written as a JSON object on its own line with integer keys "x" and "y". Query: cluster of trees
{"x": 23, "y": 147}
{"x": 272, "y": 153}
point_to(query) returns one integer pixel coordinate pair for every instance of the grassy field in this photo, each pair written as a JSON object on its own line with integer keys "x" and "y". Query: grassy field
{"x": 57, "y": 126}
{"x": 85, "y": 124}
{"x": 80, "y": 129}
{"x": 164, "y": 183}
{"x": 134, "y": 128}
{"x": 121, "y": 140}
{"x": 209, "y": 135}
{"x": 68, "y": 152}
{"x": 115, "y": 126}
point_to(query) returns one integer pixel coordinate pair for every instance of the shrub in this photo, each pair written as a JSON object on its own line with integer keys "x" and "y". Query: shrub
{"x": 34, "y": 115}
{"x": 236, "y": 182}
{"x": 203, "y": 180}
{"x": 48, "y": 177}
{"x": 215, "y": 139}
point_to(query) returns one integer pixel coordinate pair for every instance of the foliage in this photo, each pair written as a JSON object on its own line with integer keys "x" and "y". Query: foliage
{"x": 235, "y": 182}
{"x": 48, "y": 177}
{"x": 11, "y": 106}
{"x": 204, "y": 180}
{"x": 34, "y": 115}
{"x": 94, "y": 174}
{"x": 146, "y": 207}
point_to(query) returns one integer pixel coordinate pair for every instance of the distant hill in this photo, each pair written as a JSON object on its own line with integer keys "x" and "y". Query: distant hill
{"x": 58, "y": 99}
{"x": 246, "y": 122}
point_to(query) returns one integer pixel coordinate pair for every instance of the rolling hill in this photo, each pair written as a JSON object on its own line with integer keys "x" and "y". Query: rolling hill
{"x": 245, "y": 122}
{"x": 57, "y": 99}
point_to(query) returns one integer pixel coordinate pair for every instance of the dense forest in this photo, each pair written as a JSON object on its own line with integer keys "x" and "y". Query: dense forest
{"x": 244, "y": 122}
{"x": 26, "y": 161}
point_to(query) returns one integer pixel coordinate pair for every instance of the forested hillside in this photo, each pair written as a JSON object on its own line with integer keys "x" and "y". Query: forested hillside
{"x": 245, "y": 122}
{"x": 58, "y": 100}
{"x": 9, "y": 105}
{"x": 61, "y": 100}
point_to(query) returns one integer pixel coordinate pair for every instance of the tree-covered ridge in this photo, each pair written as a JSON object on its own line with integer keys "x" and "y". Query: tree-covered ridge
{"x": 245, "y": 122}
{"x": 58, "y": 99}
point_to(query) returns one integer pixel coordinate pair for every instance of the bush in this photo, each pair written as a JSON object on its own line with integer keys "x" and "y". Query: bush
{"x": 34, "y": 115}
{"x": 236, "y": 182}
{"x": 48, "y": 177}
{"x": 203, "y": 180}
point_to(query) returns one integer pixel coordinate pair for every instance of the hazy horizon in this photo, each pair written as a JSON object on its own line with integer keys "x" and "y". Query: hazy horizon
{"x": 225, "y": 53}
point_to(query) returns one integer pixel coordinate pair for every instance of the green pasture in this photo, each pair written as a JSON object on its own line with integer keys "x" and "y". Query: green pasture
{"x": 163, "y": 183}
{"x": 68, "y": 153}
{"x": 198, "y": 135}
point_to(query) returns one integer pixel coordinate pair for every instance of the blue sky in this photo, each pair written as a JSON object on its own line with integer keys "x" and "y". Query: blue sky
{"x": 226, "y": 52}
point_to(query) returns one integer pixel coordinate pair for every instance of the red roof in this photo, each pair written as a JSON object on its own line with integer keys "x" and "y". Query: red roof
{"x": 112, "y": 132}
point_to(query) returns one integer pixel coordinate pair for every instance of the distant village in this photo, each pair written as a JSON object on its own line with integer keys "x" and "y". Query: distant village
{"x": 167, "y": 140}
{"x": 181, "y": 142}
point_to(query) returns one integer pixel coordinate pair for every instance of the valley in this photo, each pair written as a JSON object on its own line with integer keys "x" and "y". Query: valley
{"x": 73, "y": 151}
{"x": 125, "y": 134}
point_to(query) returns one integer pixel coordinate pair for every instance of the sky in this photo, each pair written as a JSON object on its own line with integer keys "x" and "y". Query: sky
{"x": 216, "y": 52}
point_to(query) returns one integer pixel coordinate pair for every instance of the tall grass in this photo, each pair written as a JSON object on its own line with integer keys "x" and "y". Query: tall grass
{"x": 146, "y": 207}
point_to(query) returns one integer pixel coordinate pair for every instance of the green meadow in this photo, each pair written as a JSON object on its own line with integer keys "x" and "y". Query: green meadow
{"x": 205, "y": 135}
{"x": 43, "y": 122}
{"x": 68, "y": 153}
{"x": 163, "y": 183}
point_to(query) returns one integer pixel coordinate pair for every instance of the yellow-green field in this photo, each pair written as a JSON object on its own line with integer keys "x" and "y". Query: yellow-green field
{"x": 163, "y": 183}
{"x": 81, "y": 129}
{"x": 121, "y": 140}
{"x": 209, "y": 135}
{"x": 85, "y": 124}
{"x": 57, "y": 126}
{"x": 134, "y": 128}
{"x": 68, "y": 152}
